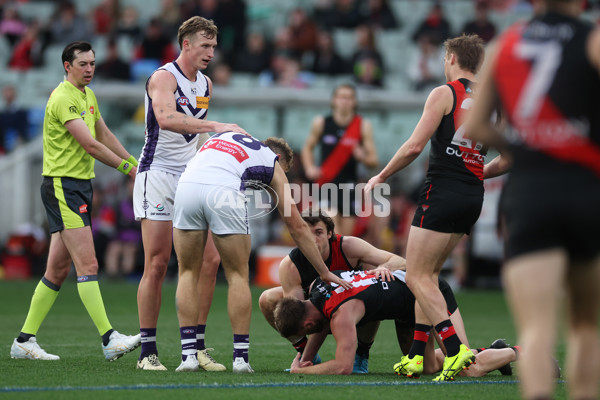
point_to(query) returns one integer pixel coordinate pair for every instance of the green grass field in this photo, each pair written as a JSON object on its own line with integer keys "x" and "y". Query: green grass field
{"x": 82, "y": 371}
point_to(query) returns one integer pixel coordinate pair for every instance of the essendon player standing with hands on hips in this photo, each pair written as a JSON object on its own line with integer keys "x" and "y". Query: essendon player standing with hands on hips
{"x": 449, "y": 203}
{"x": 545, "y": 75}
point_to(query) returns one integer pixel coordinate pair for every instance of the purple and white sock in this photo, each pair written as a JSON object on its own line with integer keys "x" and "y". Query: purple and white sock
{"x": 148, "y": 342}
{"x": 241, "y": 345}
{"x": 188, "y": 341}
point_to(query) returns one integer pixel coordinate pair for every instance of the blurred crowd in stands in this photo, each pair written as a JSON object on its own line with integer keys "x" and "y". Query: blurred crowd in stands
{"x": 289, "y": 56}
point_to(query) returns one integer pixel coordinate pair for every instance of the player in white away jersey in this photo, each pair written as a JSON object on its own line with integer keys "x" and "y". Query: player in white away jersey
{"x": 211, "y": 195}
{"x": 177, "y": 98}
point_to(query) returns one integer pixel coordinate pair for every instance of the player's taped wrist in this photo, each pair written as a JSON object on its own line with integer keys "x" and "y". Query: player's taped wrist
{"x": 132, "y": 160}
{"x": 125, "y": 167}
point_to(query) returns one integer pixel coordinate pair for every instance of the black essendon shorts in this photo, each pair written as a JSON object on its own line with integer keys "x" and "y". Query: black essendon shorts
{"x": 552, "y": 208}
{"x": 448, "y": 207}
{"x": 68, "y": 202}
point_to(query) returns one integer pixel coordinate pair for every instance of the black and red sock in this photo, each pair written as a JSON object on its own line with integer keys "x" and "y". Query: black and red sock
{"x": 420, "y": 338}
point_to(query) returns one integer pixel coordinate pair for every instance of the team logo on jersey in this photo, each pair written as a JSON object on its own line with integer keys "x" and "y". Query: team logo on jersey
{"x": 92, "y": 110}
{"x": 425, "y": 207}
{"x": 193, "y": 90}
{"x": 83, "y": 209}
{"x": 145, "y": 205}
{"x": 183, "y": 101}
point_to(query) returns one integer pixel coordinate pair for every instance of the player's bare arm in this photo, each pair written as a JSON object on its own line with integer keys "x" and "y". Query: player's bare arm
{"x": 438, "y": 104}
{"x": 358, "y": 251}
{"x": 593, "y": 48}
{"x": 478, "y": 126}
{"x": 161, "y": 86}
{"x": 343, "y": 327}
{"x": 366, "y": 152}
{"x": 314, "y": 343}
{"x": 291, "y": 283}
{"x": 498, "y": 166}
{"x": 299, "y": 229}
{"x": 307, "y": 154}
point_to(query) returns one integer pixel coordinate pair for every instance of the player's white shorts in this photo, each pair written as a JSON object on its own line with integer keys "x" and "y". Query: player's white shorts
{"x": 154, "y": 195}
{"x": 200, "y": 207}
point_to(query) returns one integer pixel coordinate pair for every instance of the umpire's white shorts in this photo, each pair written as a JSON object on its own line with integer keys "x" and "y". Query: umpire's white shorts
{"x": 221, "y": 209}
{"x": 153, "y": 195}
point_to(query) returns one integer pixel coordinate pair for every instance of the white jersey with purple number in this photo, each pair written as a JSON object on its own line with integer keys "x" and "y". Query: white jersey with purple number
{"x": 166, "y": 150}
{"x": 233, "y": 160}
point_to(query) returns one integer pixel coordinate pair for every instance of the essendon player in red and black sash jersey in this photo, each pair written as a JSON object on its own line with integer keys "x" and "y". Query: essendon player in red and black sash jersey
{"x": 452, "y": 155}
{"x": 545, "y": 75}
{"x": 336, "y": 261}
{"x": 549, "y": 90}
{"x": 451, "y": 198}
{"x": 382, "y": 299}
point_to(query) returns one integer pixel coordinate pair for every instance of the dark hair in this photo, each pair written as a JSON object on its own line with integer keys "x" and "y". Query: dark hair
{"x": 289, "y": 315}
{"x": 68, "y": 53}
{"x": 281, "y": 147}
{"x": 312, "y": 217}
{"x": 469, "y": 51}
{"x": 194, "y": 25}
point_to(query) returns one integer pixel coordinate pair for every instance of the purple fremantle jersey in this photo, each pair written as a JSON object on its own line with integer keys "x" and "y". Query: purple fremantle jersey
{"x": 233, "y": 160}
{"x": 166, "y": 150}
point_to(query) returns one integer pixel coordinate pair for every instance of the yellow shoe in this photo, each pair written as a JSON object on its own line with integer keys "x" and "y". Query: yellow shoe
{"x": 410, "y": 367}
{"x": 150, "y": 363}
{"x": 208, "y": 363}
{"x": 453, "y": 365}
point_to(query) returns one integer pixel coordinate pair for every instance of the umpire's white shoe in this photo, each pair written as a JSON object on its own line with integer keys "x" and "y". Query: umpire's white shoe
{"x": 30, "y": 350}
{"x": 208, "y": 363}
{"x": 119, "y": 345}
{"x": 241, "y": 367}
{"x": 189, "y": 365}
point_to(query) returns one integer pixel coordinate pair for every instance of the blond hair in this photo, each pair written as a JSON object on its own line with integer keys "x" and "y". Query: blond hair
{"x": 194, "y": 25}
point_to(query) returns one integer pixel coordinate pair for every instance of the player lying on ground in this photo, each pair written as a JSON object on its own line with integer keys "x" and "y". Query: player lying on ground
{"x": 371, "y": 298}
{"x": 340, "y": 253}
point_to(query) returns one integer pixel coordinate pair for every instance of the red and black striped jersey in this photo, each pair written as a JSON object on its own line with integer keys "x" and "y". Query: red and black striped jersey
{"x": 336, "y": 261}
{"x": 453, "y": 156}
{"x": 550, "y": 92}
{"x": 382, "y": 300}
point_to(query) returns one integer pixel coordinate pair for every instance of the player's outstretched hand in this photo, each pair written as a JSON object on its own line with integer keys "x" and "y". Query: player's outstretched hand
{"x": 374, "y": 181}
{"x": 297, "y": 364}
{"x": 231, "y": 128}
{"x": 332, "y": 278}
{"x": 383, "y": 273}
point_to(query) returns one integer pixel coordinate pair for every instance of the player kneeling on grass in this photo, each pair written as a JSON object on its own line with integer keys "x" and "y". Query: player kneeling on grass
{"x": 375, "y": 295}
{"x": 340, "y": 253}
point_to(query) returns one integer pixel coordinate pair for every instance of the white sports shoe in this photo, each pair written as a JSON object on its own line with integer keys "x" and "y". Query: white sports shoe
{"x": 119, "y": 345}
{"x": 241, "y": 367}
{"x": 189, "y": 365}
{"x": 208, "y": 363}
{"x": 150, "y": 363}
{"x": 30, "y": 350}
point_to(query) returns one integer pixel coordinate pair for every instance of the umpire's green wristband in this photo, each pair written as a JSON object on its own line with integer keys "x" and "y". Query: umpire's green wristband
{"x": 132, "y": 160}
{"x": 125, "y": 167}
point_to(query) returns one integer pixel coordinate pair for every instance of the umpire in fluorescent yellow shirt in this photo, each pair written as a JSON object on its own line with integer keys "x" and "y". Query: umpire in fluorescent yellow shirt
{"x": 75, "y": 135}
